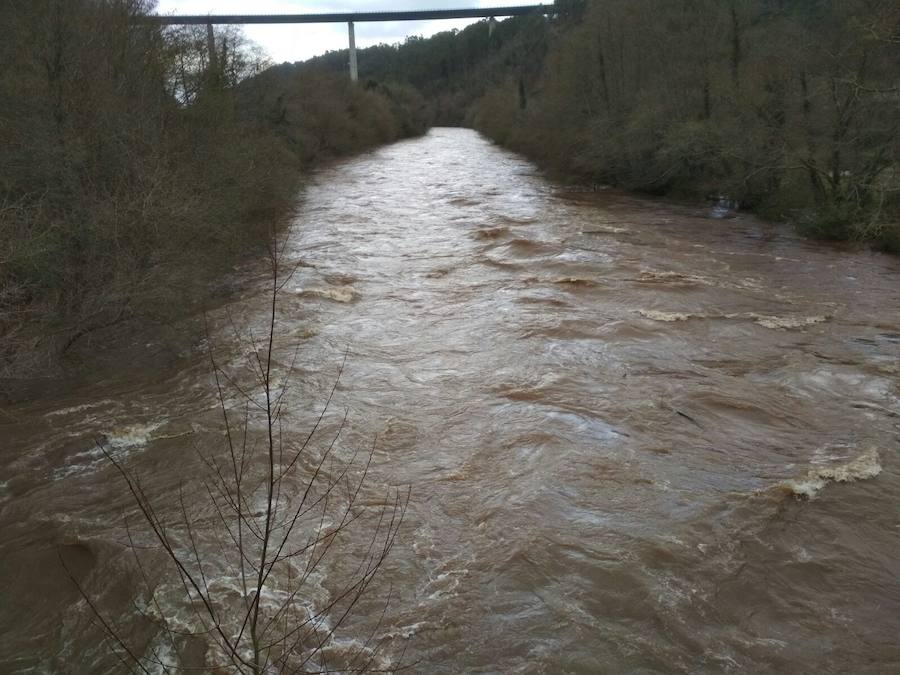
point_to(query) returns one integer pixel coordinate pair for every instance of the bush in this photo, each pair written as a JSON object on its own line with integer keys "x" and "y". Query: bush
{"x": 784, "y": 109}
{"x": 132, "y": 171}
{"x": 833, "y": 222}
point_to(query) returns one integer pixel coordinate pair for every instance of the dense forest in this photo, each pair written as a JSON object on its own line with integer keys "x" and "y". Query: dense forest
{"x": 137, "y": 164}
{"x": 789, "y": 107}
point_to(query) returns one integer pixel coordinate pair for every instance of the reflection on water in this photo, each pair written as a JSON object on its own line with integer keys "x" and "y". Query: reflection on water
{"x": 606, "y": 407}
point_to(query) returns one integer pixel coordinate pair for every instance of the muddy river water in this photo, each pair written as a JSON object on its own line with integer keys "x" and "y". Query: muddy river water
{"x": 637, "y": 439}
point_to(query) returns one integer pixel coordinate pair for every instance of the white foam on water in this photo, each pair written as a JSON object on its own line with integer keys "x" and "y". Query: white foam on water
{"x": 656, "y": 315}
{"x": 126, "y": 438}
{"x": 781, "y": 322}
{"x": 593, "y": 427}
{"x": 650, "y": 276}
{"x": 132, "y": 435}
{"x": 851, "y": 384}
{"x": 574, "y": 281}
{"x": 764, "y": 320}
{"x": 170, "y": 604}
{"x": 865, "y": 466}
{"x": 801, "y": 554}
{"x": 79, "y": 408}
{"x": 605, "y": 229}
{"x": 337, "y": 293}
{"x": 161, "y": 658}
{"x": 577, "y": 256}
{"x": 445, "y": 583}
{"x": 405, "y": 632}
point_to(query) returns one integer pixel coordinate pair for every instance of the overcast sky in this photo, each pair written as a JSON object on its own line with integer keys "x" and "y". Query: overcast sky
{"x": 296, "y": 42}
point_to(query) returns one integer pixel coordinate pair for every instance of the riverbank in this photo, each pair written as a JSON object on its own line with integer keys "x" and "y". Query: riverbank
{"x": 833, "y": 225}
{"x": 699, "y": 101}
{"x": 126, "y": 194}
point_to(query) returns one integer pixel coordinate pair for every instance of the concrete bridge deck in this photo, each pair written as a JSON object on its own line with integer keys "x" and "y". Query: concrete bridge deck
{"x": 350, "y": 17}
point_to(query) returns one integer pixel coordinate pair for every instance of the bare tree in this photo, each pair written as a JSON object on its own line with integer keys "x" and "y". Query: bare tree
{"x": 278, "y": 512}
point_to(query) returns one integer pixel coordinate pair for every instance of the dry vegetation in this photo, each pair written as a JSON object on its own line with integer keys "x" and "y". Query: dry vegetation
{"x": 229, "y": 566}
{"x": 789, "y": 107}
{"x": 136, "y": 163}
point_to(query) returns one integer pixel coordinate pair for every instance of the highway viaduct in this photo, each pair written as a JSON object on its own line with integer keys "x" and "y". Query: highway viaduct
{"x": 350, "y": 18}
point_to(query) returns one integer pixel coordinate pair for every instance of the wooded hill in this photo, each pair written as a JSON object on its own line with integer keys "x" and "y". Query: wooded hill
{"x": 135, "y": 167}
{"x": 790, "y": 107}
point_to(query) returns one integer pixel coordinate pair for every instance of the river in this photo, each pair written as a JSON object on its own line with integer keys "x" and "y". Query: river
{"x": 637, "y": 439}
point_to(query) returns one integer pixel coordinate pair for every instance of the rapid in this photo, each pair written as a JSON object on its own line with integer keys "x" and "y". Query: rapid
{"x": 638, "y": 439}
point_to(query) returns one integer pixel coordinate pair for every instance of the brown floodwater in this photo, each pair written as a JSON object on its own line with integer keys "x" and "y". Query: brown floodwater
{"x": 638, "y": 439}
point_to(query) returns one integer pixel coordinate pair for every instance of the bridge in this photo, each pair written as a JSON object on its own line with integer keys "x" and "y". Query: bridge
{"x": 350, "y": 18}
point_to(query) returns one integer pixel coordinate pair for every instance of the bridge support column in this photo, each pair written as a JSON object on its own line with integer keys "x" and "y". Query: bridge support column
{"x": 354, "y": 71}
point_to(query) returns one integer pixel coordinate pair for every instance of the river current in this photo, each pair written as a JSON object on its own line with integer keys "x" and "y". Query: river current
{"x": 637, "y": 439}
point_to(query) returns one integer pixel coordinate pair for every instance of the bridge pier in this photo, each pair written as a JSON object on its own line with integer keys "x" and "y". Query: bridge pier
{"x": 354, "y": 70}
